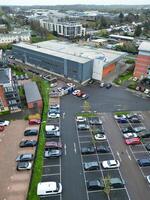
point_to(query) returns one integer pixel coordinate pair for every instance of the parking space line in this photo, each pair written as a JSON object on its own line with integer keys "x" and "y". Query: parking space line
{"x": 57, "y": 174}
{"x": 51, "y": 166}
{"x": 52, "y": 195}
{"x": 84, "y": 142}
{"x": 65, "y": 149}
{"x": 118, "y": 154}
{"x": 95, "y": 154}
{"x": 75, "y": 149}
{"x": 128, "y": 154}
{"x": 112, "y": 189}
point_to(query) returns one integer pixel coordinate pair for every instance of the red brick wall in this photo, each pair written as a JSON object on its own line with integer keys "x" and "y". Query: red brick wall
{"x": 141, "y": 66}
{"x": 108, "y": 69}
{"x": 2, "y": 97}
{"x": 38, "y": 103}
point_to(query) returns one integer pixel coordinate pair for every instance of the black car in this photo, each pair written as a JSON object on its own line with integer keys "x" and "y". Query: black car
{"x": 30, "y": 132}
{"x": 87, "y": 150}
{"x": 117, "y": 183}
{"x": 102, "y": 149}
{"x": 28, "y": 143}
{"x": 134, "y": 120}
{"x": 144, "y": 134}
{"x": 128, "y": 130}
{"x": 147, "y": 146}
{"x": 95, "y": 185}
{"x": 108, "y": 85}
{"x": 99, "y": 130}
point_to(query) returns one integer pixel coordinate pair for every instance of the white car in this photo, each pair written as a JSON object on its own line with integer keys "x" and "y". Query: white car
{"x": 146, "y": 91}
{"x": 120, "y": 117}
{"x": 53, "y": 115}
{"x": 130, "y": 135}
{"x": 110, "y": 164}
{"x": 100, "y": 136}
{"x": 4, "y": 123}
{"x": 48, "y": 188}
{"x": 148, "y": 178}
{"x": 76, "y": 92}
{"x": 80, "y": 119}
{"x": 51, "y": 128}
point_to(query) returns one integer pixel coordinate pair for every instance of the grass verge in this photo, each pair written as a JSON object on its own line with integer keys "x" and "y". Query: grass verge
{"x": 119, "y": 113}
{"x": 38, "y": 163}
{"x": 123, "y": 77}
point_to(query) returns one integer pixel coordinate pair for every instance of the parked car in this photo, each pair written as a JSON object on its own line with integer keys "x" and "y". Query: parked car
{"x": 102, "y": 84}
{"x": 34, "y": 121}
{"x": 130, "y": 135}
{"x": 100, "y": 136}
{"x": 119, "y": 117}
{"x": 2, "y": 128}
{"x": 102, "y": 149}
{"x": 50, "y": 134}
{"x": 28, "y": 143}
{"x": 4, "y": 123}
{"x": 80, "y": 119}
{"x": 50, "y": 153}
{"x": 31, "y": 132}
{"x": 139, "y": 129}
{"x": 88, "y": 150}
{"x": 48, "y": 188}
{"x": 144, "y": 162}
{"x": 108, "y": 85}
{"x": 26, "y": 76}
{"x": 53, "y": 115}
{"x": 51, "y": 128}
{"x": 110, "y": 164}
{"x": 53, "y": 145}
{"x": 133, "y": 141}
{"x": 54, "y": 106}
{"x": 95, "y": 185}
{"x": 122, "y": 120}
{"x": 83, "y": 127}
{"x": 99, "y": 130}
{"x": 134, "y": 120}
{"x": 25, "y": 157}
{"x": 91, "y": 165}
{"x": 94, "y": 121}
{"x": 24, "y": 166}
{"x": 117, "y": 183}
{"x": 130, "y": 115}
{"x": 84, "y": 96}
{"x": 147, "y": 146}
{"x": 75, "y": 92}
{"x": 127, "y": 130}
{"x": 144, "y": 134}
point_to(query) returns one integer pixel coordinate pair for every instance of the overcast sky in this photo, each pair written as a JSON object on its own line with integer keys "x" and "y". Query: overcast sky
{"x": 63, "y": 2}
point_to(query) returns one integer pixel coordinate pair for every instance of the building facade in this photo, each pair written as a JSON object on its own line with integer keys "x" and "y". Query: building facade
{"x": 142, "y": 65}
{"x": 64, "y": 29}
{"x": 79, "y": 63}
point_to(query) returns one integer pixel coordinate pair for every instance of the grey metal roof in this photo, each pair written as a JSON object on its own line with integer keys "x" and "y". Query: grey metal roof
{"x": 145, "y": 46}
{"x": 4, "y": 78}
{"x": 32, "y": 92}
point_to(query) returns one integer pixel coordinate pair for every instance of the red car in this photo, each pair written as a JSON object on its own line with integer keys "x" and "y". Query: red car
{"x": 2, "y": 128}
{"x": 53, "y": 145}
{"x": 132, "y": 141}
{"x": 34, "y": 121}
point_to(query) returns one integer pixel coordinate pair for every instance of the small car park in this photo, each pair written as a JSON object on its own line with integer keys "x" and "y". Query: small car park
{"x": 24, "y": 157}
{"x": 48, "y": 188}
{"x": 110, "y": 164}
{"x": 21, "y": 166}
{"x": 28, "y": 143}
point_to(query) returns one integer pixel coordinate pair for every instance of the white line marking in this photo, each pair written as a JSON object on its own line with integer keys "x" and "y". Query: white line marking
{"x": 75, "y": 149}
{"x": 57, "y": 174}
{"x": 51, "y": 166}
{"x": 128, "y": 154}
{"x": 119, "y": 156}
{"x": 65, "y": 147}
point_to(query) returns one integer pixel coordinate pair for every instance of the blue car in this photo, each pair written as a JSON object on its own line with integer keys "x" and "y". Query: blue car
{"x": 122, "y": 120}
{"x": 144, "y": 162}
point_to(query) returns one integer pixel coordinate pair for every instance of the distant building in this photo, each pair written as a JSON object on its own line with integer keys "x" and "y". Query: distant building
{"x": 121, "y": 37}
{"x": 70, "y": 60}
{"x": 66, "y": 29}
{"x": 33, "y": 97}
{"x": 142, "y": 66}
{"x": 3, "y": 102}
{"x": 15, "y": 36}
{"x": 9, "y": 91}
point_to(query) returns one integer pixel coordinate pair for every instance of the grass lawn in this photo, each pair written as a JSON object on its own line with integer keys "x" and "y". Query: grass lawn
{"x": 123, "y": 77}
{"x": 38, "y": 163}
{"x": 119, "y": 113}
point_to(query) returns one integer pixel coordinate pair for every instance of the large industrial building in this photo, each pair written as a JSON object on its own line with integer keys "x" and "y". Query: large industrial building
{"x": 79, "y": 63}
{"x": 142, "y": 66}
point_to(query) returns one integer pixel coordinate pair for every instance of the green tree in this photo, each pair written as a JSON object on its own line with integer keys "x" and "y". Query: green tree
{"x": 107, "y": 186}
{"x": 138, "y": 31}
{"x": 86, "y": 106}
{"x": 121, "y": 17}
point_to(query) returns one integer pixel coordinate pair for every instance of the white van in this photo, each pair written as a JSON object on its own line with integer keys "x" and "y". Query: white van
{"x": 48, "y": 188}
{"x": 51, "y": 128}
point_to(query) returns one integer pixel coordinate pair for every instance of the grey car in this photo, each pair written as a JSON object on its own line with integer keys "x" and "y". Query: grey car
{"x": 91, "y": 165}
{"x": 52, "y": 153}
{"x": 24, "y": 166}
{"x": 24, "y": 157}
{"x": 50, "y": 134}
{"x": 83, "y": 127}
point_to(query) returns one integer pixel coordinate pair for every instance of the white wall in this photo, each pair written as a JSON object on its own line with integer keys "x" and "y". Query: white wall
{"x": 97, "y": 69}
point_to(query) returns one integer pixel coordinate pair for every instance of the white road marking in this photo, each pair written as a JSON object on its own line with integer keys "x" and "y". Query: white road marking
{"x": 64, "y": 115}
{"x": 51, "y": 166}
{"x": 75, "y": 149}
{"x": 128, "y": 154}
{"x": 119, "y": 156}
{"x": 65, "y": 147}
{"x": 57, "y": 174}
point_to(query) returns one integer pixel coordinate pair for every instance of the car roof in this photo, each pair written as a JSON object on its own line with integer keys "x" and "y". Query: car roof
{"x": 23, "y": 164}
{"x": 27, "y": 155}
{"x": 47, "y": 186}
{"x": 112, "y": 162}
{"x": 115, "y": 180}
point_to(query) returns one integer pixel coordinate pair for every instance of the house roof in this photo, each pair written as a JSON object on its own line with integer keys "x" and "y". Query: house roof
{"x": 144, "y": 46}
{"x": 32, "y": 92}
